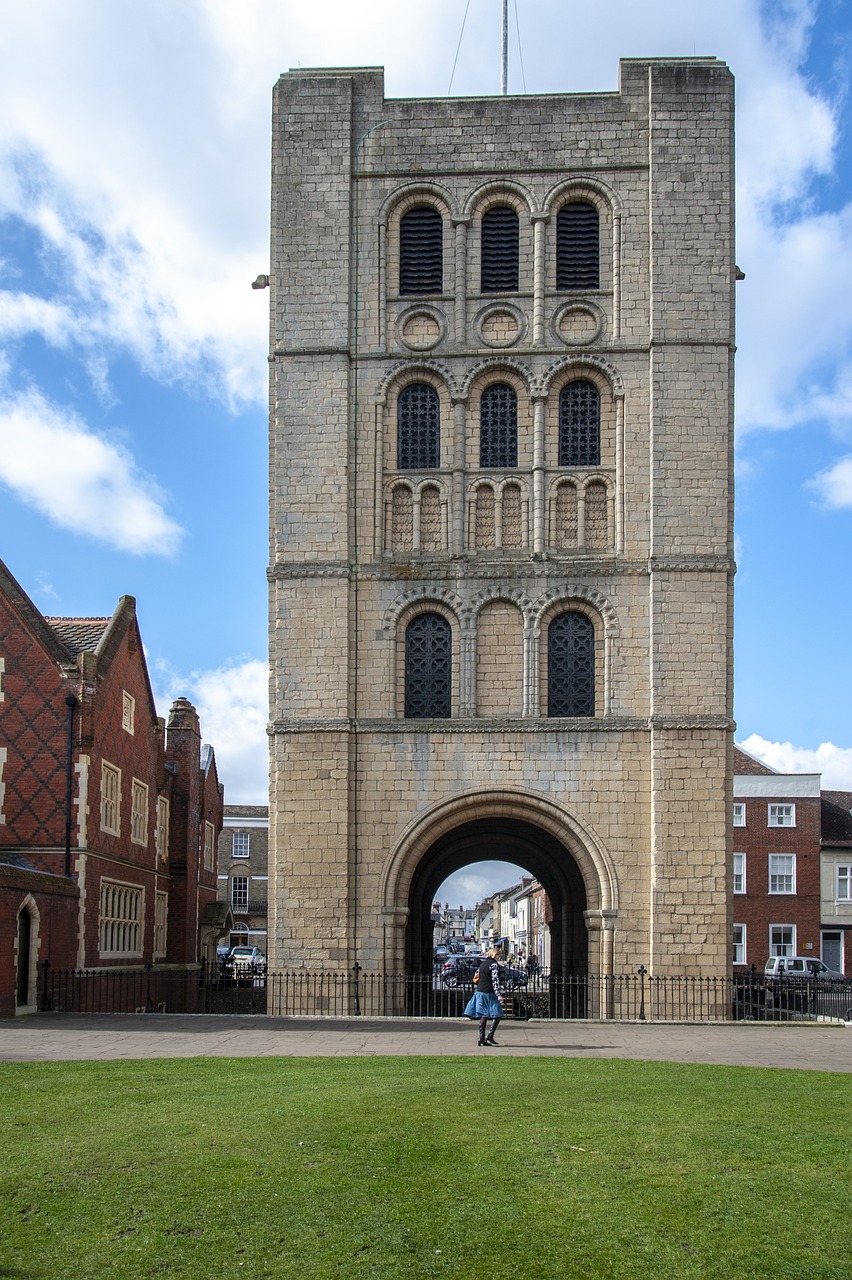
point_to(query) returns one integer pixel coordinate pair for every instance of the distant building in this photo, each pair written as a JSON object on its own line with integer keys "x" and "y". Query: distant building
{"x": 790, "y": 867}
{"x": 836, "y": 880}
{"x": 109, "y": 820}
{"x": 244, "y": 872}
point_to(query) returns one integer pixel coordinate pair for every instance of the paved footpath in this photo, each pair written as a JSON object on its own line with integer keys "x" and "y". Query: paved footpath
{"x": 69, "y": 1037}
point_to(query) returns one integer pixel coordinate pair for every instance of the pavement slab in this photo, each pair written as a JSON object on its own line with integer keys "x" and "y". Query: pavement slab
{"x": 92, "y": 1037}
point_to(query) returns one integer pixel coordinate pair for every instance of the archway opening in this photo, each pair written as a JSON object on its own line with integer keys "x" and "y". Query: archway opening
{"x": 24, "y": 944}
{"x": 509, "y": 840}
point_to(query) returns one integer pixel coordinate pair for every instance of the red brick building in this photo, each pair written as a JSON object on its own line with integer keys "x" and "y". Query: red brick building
{"x": 777, "y": 824}
{"x": 109, "y": 820}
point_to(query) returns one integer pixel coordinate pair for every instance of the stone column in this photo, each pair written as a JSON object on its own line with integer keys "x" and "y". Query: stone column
{"x": 539, "y": 221}
{"x": 539, "y": 495}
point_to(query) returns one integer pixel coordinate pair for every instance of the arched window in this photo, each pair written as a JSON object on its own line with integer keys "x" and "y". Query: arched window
{"x": 483, "y": 522}
{"x": 421, "y": 250}
{"x": 578, "y": 246}
{"x": 579, "y": 425}
{"x": 597, "y": 524}
{"x": 499, "y": 267}
{"x": 431, "y": 531}
{"x": 418, "y": 437}
{"x": 428, "y": 667}
{"x": 512, "y": 517}
{"x": 571, "y": 665}
{"x": 402, "y": 519}
{"x": 498, "y": 426}
{"x": 566, "y": 517}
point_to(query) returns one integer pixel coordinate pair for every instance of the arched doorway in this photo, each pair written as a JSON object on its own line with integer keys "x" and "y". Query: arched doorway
{"x": 530, "y": 831}
{"x": 24, "y": 964}
{"x": 506, "y": 840}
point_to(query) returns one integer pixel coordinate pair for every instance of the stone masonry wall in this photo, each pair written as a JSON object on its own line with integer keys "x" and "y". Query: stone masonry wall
{"x": 632, "y": 803}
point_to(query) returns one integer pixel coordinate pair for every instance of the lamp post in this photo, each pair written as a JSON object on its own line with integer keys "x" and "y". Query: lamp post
{"x": 642, "y": 971}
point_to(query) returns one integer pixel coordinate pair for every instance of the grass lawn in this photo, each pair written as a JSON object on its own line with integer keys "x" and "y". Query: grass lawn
{"x": 475, "y": 1169}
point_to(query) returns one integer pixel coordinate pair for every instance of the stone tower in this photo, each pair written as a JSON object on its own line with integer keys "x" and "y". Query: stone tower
{"x": 501, "y": 512}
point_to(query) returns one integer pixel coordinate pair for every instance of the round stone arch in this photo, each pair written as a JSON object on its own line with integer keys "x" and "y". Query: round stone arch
{"x": 510, "y": 825}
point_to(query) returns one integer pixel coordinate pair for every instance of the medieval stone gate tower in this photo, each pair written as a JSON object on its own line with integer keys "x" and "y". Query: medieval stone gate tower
{"x": 501, "y": 512}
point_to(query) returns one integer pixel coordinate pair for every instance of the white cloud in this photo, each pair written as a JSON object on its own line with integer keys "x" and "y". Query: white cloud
{"x": 474, "y": 883}
{"x": 232, "y": 704}
{"x": 150, "y": 192}
{"x": 53, "y": 462}
{"x": 834, "y": 763}
{"x": 834, "y": 486}
{"x": 22, "y": 313}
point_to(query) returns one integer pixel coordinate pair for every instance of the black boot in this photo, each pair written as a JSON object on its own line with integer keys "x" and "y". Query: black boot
{"x": 490, "y": 1038}
{"x": 483, "y": 1023}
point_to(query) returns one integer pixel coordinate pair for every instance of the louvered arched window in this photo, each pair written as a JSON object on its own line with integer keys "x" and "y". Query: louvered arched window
{"x": 421, "y": 250}
{"x": 571, "y": 665}
{"x": 428, "y": 667}
{"x": 499, "y": 269}
{"x": 579, "y": 424}
{"x": 578, "y": 246}
{"x": 498, "y": 426}
{"x": 418, "y": 423}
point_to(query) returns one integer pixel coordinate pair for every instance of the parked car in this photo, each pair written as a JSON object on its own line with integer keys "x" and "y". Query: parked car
{"x": 441, "y": 952}
{"x": 242, "y": 958}
{"x": 459, "y": 970}
{"x": 798, "y": 967}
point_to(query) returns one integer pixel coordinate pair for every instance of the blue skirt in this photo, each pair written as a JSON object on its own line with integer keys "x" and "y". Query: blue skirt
{"x": 483, "y": 1004}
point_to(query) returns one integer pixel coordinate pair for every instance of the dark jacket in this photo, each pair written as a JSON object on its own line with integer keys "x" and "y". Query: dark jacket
{"x": 488, "y": 981}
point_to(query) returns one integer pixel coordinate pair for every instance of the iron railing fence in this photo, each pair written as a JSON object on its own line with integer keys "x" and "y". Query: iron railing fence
{"x": 632, "y": 997}
{"x": 141, "y": 990}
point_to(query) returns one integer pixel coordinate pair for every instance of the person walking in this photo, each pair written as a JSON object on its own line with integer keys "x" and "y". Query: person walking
{"x": 486, "y": 1001}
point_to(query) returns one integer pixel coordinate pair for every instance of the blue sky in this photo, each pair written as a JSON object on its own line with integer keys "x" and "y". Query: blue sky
{"x": 134, "y": 158}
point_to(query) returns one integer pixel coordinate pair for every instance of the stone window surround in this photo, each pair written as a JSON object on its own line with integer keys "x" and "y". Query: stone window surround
{"x": 161, "y": 921}
{"x": 461, "y": 245}
{"x": 536, "y": 616}
{"x": 209, "y": 846}
{"x": 125, "y": 929}
{"x": 139, "y": 812}
{"x": 459, "y": 432}
{"x": 162, "y": 835}
{"x": 110, "y": 798}
{"x": 128, "y": 712}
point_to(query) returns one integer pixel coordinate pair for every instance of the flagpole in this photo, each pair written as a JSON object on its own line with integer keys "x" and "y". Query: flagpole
{"x": 504, "y": 50}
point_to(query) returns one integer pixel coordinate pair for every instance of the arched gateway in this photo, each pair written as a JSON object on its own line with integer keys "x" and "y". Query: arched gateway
{"x": 574, "y": 869}
{"x": 501, "y": 534}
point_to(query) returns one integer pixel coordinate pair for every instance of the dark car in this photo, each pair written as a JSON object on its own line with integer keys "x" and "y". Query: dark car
{"x": 459, "y": 971}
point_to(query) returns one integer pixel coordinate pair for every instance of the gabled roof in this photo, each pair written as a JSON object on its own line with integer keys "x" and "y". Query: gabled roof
{"x": 836, "y": 818}
{"x": 33, "y": 619}
{"x": 79, "y": 635}
{"x": 64, "y": 639}
{"x": 745, "y": 763}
